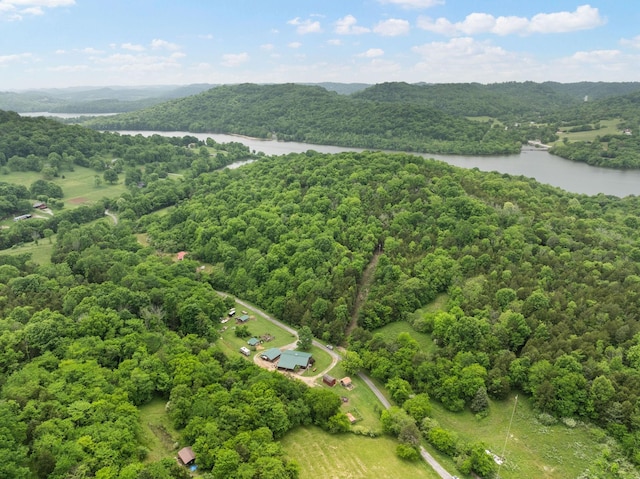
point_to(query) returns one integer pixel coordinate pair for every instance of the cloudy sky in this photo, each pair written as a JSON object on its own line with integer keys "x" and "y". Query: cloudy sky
{"x": 61, "y": 43}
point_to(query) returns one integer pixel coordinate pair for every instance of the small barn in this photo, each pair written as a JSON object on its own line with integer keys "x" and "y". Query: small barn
{"x": 253, "y": 342}
{"x": 351, "y": 418}
{"x": 186, "y": 456}
{"x": 180, "y": 256}
{"x": 271, "y": 354}
{"x": 346, "y": 382}
{"x": 244, "y": 318}
{"x": 329, "y": 380}
{"x": 293, "y": 360}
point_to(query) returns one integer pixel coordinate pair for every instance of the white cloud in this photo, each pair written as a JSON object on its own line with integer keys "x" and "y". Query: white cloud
{"x": 15, "y": 9}
{"x": 347, "y": 26}
{"x": 294, "y": 45}
{"x": 372, "y": 53}
{"x": 15, "y": 58}
{"x": 392, "y": 27}
{"x": 464, "y": 59}
{"x": 631, "y": 42}
{"x": 585, "y": 17}
{"x": 133, "y": 47}
{"x": 414, "y": 3}
{"x": 205, "y": 36}
{"x": 234, "y": 59}
{"x": 267, "y": 47}
{"x": 32, "y": 11}
{"x": 157, "y": 44}
{"x": 305, "y": 26}
{"x": 90, "y": 51}
{"x": 334, "y": 42}
{"x": 597, "y": 56}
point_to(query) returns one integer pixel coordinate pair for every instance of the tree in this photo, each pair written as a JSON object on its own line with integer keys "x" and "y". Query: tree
{"x": 110, "y": 176}
{"x": 305, "y": 338}
{"x": 352, "y": 363}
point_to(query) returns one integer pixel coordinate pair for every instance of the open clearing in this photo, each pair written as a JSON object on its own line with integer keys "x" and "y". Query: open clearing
{"x": 40, "y": 253}
{"x": 78, "y": 186}
{"x": 607, "y": 127}
{"x": 533, "y": 450}
{"x": 158, "y": 434}
{"x": 347, "y": 456}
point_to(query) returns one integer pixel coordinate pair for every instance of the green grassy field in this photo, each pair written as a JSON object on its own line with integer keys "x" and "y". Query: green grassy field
{"x": 323, "y": 361}
{"x": 532, "y": 450}
{"x": 347, "y": 456}
{"x": 362, "y": 403}
{"x": 158, "y": 434}
{"x": 608, "y": 127}
{"x": 78, "y": 186}
{"x": 258, "y": 326}
{"x": 392, "y": 330}
{"x": 40, "y": 253}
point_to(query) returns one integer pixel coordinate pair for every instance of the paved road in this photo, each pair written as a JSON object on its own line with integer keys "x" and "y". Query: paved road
{"x": 442, "y": 472}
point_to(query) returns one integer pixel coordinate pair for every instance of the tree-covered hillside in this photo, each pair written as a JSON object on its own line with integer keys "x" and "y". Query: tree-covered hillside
{"x": 619, "y": 150}
{"x": 314, "y": 115}
{"x": 541, "y": 282}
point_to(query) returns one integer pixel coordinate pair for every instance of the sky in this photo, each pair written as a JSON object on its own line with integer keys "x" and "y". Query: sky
{"x": 69, "y": 43}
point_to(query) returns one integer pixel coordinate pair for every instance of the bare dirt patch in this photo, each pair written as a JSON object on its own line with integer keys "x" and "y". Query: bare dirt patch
{"x": 78, "y": 200}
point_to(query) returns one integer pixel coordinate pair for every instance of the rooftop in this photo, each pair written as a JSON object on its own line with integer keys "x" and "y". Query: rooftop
{"x": 292, "y": 359}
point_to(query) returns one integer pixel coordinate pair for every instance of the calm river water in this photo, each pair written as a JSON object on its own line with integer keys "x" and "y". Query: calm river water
{"x": 546, "y": 168}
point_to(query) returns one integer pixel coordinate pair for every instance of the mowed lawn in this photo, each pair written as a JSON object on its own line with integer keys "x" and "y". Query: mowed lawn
{"x": 347, "y": 456}
{"x": 362, "y": 403}
{"x": 533, "y": 450}
{"x": 78, "y": 186}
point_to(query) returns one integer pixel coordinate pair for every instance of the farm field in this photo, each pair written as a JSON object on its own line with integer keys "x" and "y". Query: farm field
{"x": 324, "y": 455}
{"x": 608, "y": 127}
{"x": 533, "y": 450}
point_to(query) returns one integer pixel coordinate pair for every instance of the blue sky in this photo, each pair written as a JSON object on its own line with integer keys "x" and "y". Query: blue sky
{"x": 63, "y": 43}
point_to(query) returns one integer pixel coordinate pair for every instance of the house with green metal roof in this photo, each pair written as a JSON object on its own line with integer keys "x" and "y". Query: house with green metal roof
{"x": 253, "y": 342}
{"x": 292, "y": 360}
{"x": 244, "y": 318}
{"x": 271, "y": 354}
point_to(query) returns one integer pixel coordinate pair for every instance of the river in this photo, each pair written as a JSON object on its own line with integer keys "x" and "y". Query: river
{"x": 545, "y": 168}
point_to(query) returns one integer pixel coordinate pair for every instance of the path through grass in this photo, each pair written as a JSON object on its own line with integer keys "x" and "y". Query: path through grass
{"x": 158, "y": 434}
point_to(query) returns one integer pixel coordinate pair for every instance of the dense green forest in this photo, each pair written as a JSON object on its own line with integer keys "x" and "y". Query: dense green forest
{"x": 541, "y": 282}
{"x": 541, "y": 288}
{"x": 314, "y": 115}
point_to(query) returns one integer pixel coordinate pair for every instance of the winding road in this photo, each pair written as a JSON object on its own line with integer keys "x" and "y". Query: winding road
{"x": 112, "y": 216}
{"x": 335, "y": 357}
